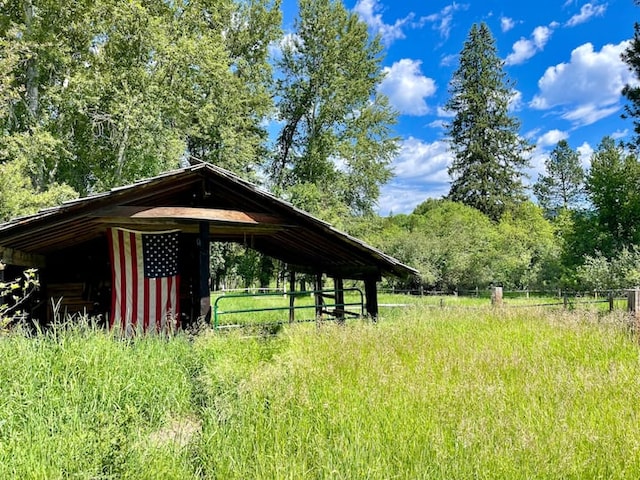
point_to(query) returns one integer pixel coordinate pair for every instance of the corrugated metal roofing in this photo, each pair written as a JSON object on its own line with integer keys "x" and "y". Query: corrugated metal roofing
{"x": 297, "y": 238}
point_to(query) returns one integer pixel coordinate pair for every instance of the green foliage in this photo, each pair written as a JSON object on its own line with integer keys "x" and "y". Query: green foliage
{"x": 622, "y": 271}
{"x": 335, "y": 145}
{"x": 15, "y": 294}
{"x": 455, "y": 246}
{"x": 614, "y": 192}
{"x": 113, "y": 91}
{"x": 17, "y": 196}
{"x": 631, "y": 56}
{"x": 457, "y": 394}
{"x": 563, "y": 185}
{"x": 234, "y": 265}
{"x": 79, "y": 403}
{"x": 526, "y": 251}
{"x": 489, "y": 155}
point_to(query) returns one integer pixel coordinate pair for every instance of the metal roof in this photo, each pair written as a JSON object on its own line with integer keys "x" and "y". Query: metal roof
{"x": 235, "y": 209}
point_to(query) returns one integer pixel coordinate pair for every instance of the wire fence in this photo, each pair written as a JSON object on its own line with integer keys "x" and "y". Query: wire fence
{"x": 604, "y": 299}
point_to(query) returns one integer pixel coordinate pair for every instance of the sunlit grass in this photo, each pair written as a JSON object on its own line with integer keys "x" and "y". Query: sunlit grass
{"x": 424, "y": 393}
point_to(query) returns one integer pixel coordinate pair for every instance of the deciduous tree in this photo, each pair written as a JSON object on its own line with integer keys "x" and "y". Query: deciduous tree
{"x": 104, "y": 92}
{"x": 612, "y": 185}
{"x": 336, "y": 141}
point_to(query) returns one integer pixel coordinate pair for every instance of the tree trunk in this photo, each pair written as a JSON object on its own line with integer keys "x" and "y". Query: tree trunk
{"x": 31, "y": 74}
{"x": 121, "y": 154}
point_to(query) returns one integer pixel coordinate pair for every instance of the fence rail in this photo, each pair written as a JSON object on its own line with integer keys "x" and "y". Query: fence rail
{"x": 339, "y": 308}
{"x": 615, "y": 298}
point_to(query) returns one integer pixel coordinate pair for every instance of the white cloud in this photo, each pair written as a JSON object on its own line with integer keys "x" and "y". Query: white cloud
{"x": 449, "y": 60}
{"x": 397, "y": 198}
{"x": 525, "y": 48}
{"x": 368, "y": 10}
{"x": 587, "y": 11}
{"x": 506, "y": 24}
{"x": 618, "y": 134}
{"x": 441, "y": 112}
{"x": 585, "y": 151}
{"x": 551, "y": 138}
{"x": 421, "y": 172}
{"x": 588, "y": 114}
{"x": 515, "y": 102}
{"x": 422, "y": 162}
{"x": 442, "y": 21}
{"x": 588, "y": 87}
{"x": 407, "y": 87}
{"x": 289, "y": 40}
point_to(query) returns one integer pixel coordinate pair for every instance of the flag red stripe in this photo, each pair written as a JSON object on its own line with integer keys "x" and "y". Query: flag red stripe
{"x": 138, "y": 301}
{"x": 123, "y": 282}
{"x": 135, "y": 273}
{"x": 159, "y": 304}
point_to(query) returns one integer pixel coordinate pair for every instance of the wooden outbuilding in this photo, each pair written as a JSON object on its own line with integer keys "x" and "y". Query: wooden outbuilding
{"x": 69, "y": 243}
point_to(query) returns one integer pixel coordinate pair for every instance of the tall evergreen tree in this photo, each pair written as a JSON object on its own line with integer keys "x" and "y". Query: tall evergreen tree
{"x": 563, "y": 185}
{"x": 336, "y": 144}
{"x": 489, "y": 155}
{"x": 631, "y": 56}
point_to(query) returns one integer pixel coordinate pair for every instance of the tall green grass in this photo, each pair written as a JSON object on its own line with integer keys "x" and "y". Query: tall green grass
{"x": 488, "y": 396}
{"x": 424, "y": 393}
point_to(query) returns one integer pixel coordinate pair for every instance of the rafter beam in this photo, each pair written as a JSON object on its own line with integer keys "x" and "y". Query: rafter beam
{"x": 10, "y": 256}
{"x": 214, "y": 215}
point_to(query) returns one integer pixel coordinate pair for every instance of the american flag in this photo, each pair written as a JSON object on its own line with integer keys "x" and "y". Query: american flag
{"x": 145, "y": 281}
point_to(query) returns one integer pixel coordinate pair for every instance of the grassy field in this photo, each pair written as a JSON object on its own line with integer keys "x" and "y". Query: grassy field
{"x": 234, "y": 308}
{"x": 424, "y": 393}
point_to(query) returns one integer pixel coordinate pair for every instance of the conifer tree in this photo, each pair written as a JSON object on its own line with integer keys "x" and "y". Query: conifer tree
{"x": 563, "y": 185}
{"x": 631, "y": 56}
{"x": 489, "y": 155}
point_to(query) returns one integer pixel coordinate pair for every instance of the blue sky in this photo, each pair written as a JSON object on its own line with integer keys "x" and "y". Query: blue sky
{"x": 564, "y": 58}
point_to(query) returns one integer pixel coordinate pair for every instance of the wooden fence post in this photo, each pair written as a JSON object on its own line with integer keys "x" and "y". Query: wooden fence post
{"x": 496, "y": 296}
{"x": 633, "y": 302}
{"x": 610, "y": 298}
{"x": 633, "y": 305}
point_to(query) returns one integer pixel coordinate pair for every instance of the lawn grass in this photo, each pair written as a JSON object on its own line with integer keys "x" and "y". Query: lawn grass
{"x": 424, "y": 393}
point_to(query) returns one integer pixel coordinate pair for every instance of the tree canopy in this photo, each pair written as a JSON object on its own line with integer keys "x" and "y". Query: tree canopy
{"x": 489, "y": 155}
{"x": 631, "y": 56}
{"x": 336, "y": 145}
{"x": 563, "y": 185}
{"x": 100, "y": 93}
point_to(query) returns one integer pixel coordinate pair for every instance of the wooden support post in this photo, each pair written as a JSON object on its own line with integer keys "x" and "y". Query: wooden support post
{"x": 371, "y": 297}
{"x": 318, "y": 296}
{"x": 338, "y": 285}
{"x": 496, "y": 296}
{"x": 292, "y": 296}
{"x": 2, "y": 265}
{"x": 203, "y": 268}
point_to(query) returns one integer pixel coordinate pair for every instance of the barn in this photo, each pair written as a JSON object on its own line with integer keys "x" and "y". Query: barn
{"x": 75, "y": 248}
